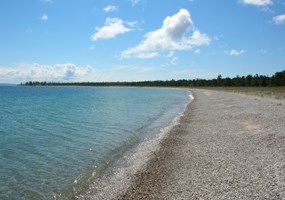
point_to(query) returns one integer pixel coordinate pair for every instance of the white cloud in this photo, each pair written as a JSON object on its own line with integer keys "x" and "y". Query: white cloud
{"x": 259, "y": 3}
{"x": 110, "y": 8}
{"x": 112, "y": 28}
{"x": 234, "y": 52}
{"x": 170, "y": 54}
{"x": 170, "y": 37}
{"x": 280, "y": 19}
{"x": 69, "y": 72}
{"x": 37, "y": 72}
{"x": 172, "y": 59}
{"x": 134, "y": 2}
{"x": 132, "y": 24}
{"x": 197, "y": 51}
{"x": 44, "y": 17}
{"x": 147, "y": 55}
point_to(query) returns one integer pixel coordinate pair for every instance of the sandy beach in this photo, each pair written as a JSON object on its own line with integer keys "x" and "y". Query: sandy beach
{"x": 227, "y": 146}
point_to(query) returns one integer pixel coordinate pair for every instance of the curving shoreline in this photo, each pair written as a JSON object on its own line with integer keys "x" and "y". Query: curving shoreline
{"x": 227, "y": 146}
{"x": 121, "y": 174}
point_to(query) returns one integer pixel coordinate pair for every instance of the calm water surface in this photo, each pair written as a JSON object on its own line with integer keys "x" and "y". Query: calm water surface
{"x": 52, "y": 139}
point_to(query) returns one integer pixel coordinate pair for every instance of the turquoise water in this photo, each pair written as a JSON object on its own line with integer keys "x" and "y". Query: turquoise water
{"x": 53, "y": 139}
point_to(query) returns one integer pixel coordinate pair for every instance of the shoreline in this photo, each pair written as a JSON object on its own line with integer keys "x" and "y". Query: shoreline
{"x": 120, "y": 175}
{"x": 227, "y": 146}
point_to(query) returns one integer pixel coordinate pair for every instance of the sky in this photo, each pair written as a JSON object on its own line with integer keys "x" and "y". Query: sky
{"x": 137, "y": 40}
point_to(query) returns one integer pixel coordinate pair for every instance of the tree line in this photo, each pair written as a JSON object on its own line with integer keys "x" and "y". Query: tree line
{"x": 278, "y": 79}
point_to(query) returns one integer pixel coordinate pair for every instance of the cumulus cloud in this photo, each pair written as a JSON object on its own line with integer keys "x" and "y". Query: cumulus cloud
{"x": 37, "y": 72}
{"x": 234, "y": 52}
{"x": 110, "y": 8}
{"x": 280, "y": 19}
{"x": 170, "y": 37}
{"x": 44, "y": 17}
{"x": 112, "y": 28}
{"x": 259, "y": 3}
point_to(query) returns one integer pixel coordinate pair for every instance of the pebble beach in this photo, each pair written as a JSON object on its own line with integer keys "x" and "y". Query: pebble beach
{"x": 225, "y": 146}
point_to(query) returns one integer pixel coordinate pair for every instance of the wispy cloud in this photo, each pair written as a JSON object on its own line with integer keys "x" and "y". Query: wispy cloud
{"x": 258, "y": 3}
{"x": 171, "y": 36}
{"x": 132, "y": 23}
{"x": 280, "y": 19}
{"x": 44, "y": 17}
{"x": 134, "y": 2}
{"x": 147, "y": 55}
{"x": 195, "y": 73}
{"x": 197, "y": 51}
{"x": 47, "y": 1}
{"x": 110, "y": 8}
{"x": 262, "y": 51}
{"x": 234, "y": 52}
{"x": 172, "y": 57}
{"x": 112, "y": 28}
{"x": 135, "y": 69}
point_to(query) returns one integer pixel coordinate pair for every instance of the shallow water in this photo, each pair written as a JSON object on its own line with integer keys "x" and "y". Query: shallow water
{"x": 53, "y": 139}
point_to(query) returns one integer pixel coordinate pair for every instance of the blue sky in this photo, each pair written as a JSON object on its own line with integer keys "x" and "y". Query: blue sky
{"x": 133, "y": 40}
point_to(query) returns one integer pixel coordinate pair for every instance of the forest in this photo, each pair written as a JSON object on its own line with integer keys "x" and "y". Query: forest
{"x": 276, "y": 80}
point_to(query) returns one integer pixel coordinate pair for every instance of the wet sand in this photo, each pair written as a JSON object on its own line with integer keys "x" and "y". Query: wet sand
{"x": 227, "y": 146}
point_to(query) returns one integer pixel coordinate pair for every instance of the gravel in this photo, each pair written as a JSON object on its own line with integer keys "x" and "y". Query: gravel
{"x": 226, "y": 146}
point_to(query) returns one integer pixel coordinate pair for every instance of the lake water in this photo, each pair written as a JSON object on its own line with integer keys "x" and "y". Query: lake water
{"x": 54, "y": 139}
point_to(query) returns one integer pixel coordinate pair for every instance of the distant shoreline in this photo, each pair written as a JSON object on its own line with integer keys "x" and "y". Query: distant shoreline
{"x": 278, "y": 79}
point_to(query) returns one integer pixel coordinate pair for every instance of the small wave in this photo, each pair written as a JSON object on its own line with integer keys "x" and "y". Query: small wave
{"x": 191, "y": 96}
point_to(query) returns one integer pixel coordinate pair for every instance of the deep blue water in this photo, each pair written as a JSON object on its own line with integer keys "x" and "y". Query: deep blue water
{"x": 52, "y": 136}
